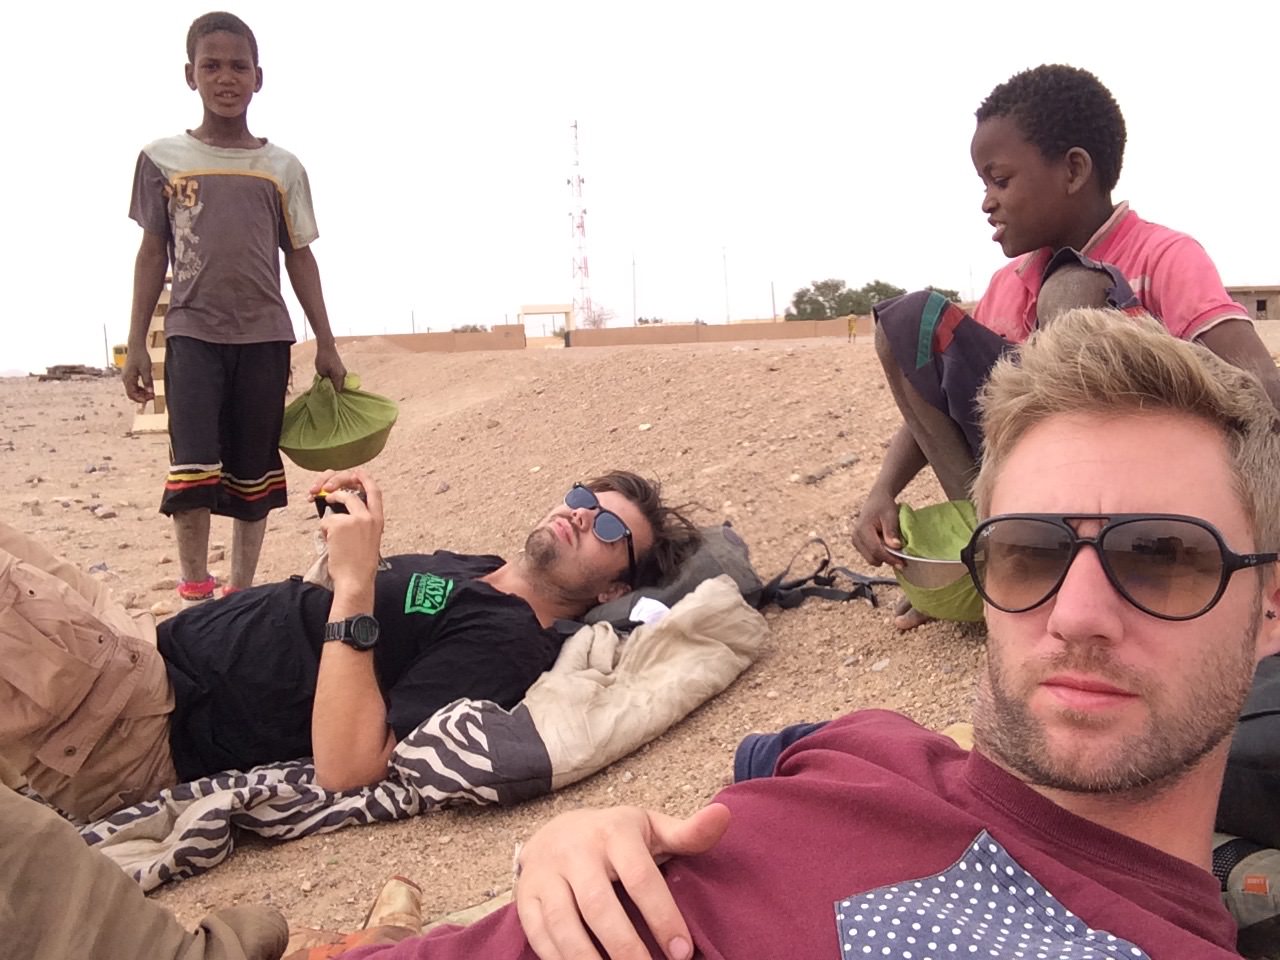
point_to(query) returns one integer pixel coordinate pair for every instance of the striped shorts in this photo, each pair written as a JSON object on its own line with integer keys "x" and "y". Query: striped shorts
{"x": 226, "y": 406}
{"x": 944, "y": 353}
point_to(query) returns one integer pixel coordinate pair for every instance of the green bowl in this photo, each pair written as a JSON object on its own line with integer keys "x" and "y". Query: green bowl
{"x": 353, "y": 453}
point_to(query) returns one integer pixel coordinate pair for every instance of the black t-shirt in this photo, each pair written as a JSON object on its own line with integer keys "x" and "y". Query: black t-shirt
{"x": 244, "y": 668}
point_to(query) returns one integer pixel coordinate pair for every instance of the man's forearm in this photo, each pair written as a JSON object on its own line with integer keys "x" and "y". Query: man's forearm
{"x": 902, "y": 461}
{"x": 349, "y": 735}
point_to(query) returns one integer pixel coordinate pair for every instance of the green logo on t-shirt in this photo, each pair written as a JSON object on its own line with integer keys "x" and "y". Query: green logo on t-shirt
{"x": 427, "y": 593}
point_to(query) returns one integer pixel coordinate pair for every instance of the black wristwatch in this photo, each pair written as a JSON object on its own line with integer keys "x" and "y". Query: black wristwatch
{"x": 359, "y": 632}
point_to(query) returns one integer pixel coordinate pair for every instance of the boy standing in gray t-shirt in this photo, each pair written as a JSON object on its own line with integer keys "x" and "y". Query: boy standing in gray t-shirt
{"x": 217, "y": 203}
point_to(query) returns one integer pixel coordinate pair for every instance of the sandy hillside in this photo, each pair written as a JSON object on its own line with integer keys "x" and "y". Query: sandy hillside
{"x": 485, "y": 444}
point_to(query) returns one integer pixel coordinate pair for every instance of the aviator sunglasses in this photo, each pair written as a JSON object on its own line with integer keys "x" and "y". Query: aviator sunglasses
{"x": 606, "y": 525}
{"x": 1169, "y": 566}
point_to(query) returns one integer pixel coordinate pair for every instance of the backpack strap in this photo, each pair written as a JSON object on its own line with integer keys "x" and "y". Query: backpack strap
{"x": 827, "y": 582}
{"x": 566, "y": 628}
{"x": 822, "y": 583}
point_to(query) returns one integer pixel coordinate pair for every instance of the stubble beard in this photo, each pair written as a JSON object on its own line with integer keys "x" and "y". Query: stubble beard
{"x": 1175, "y": 737}
{"x": 542, "y": 559}
{"x": 540, "y": 549}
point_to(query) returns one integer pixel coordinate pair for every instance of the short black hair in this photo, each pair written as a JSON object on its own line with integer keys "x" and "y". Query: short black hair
{"x": 1059, "y": 107}
{"x": 675, "y": 536}
{"x": 213, "y": 23}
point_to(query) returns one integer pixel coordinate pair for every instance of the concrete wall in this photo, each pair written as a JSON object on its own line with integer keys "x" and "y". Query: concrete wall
{"x": 1269, "y": 331}
{"x": 544, "y": 343}
{"x": 500, "y": 337}
{"x": 1263, "y": 303}
{"x": 512, "y": 336}
{"x": 718, "y": 333}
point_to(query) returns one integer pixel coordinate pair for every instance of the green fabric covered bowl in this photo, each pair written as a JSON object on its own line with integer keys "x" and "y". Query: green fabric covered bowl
{"x": 932, "y": 576}
{"x": 327, "y": 430}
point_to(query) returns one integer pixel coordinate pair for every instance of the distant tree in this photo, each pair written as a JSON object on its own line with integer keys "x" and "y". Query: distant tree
{"x": 875, "y": 291}
{"x": 645, "y": 321}
{"x": 594, "y": 317}
{"x": 832, "y": 298}
{"x": 470, "y": 328}
{"x": 821, "y": 300}
{"x": 952, "y": 295}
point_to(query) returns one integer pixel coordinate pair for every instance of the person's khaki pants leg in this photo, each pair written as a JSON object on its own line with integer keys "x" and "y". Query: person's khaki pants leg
{"x": 84, "y": 696}
{"x": 131, "y": 763}
{"x": 60, "y": 899}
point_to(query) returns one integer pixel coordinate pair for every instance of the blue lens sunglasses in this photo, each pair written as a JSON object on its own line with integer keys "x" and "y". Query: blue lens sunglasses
{"x": 606, "y": 525}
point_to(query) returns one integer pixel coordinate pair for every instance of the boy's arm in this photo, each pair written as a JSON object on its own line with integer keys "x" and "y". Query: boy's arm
{"x": 148, "y": 281}
{"x": 304, "y": 274}
{"x": 1238, "y": 343}
{"x": 877, "y": 521}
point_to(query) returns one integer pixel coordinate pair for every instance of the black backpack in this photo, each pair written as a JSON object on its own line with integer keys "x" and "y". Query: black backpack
{"x": 722, "y": 551}
{"x": 1249, "y": 806}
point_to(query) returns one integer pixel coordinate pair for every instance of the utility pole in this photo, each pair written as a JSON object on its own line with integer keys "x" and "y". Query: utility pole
{"x": 725, "y": 257}
{"x": 578, "y": 230}
{"x": 413, "y": 323}
{"x": 633, "y": 289}
{"x": 773, "y": 300}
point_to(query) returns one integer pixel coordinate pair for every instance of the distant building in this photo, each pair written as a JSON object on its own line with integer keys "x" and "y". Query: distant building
{"x": 1263, "y": 303}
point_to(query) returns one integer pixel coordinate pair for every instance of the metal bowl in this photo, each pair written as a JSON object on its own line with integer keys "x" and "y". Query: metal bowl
{"x": 926, "y": 573}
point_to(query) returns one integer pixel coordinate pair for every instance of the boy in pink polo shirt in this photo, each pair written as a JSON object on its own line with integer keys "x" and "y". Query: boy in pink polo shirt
{"x": 1048, "y": 147}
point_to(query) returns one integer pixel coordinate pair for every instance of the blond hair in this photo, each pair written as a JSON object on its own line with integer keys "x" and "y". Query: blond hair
{"x": 1103, "y": 361}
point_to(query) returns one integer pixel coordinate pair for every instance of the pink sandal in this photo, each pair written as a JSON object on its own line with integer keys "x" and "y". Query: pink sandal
{"x": 196, "y": 591}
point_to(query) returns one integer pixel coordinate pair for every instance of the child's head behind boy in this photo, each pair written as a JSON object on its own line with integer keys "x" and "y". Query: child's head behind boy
{"x": 1049, "y": 145}
{"x": 222, "y": 66}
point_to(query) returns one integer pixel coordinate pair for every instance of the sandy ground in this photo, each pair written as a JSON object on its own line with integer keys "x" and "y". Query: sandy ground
{"x": 486, "y": 443}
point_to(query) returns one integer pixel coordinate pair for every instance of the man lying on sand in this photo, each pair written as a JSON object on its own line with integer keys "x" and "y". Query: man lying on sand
{"x": 96, "y": 715}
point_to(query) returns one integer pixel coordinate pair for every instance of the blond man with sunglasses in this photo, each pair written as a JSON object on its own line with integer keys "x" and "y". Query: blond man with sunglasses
{"x": 94, "y": 715}
{"x": 1127, "y": 558}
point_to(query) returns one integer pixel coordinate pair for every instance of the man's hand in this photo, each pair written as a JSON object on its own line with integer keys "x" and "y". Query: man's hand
{"x": 354, "y": 537}
{"x": 876, "y": 528}
{"x": 138, "y": 385}
{"x": 566, "y": 876}
{"x": 329, "y": 364}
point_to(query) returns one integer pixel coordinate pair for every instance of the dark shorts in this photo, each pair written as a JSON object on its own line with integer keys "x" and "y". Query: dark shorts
{"x": 944, "y": 353}
{"x": 226, "y": 406}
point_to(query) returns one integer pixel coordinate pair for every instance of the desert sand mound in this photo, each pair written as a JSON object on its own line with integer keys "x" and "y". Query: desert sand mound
{"x": 486, "y": 443}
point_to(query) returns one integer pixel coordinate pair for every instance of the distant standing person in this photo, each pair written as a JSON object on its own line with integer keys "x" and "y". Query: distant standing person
{"x": 216, "y": 203}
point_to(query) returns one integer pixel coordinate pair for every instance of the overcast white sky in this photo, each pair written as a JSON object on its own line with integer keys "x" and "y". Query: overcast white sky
{"x": 804, "y": 140}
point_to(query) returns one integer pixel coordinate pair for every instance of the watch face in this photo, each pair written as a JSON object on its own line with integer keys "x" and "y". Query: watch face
{"x": 364, "y": 632}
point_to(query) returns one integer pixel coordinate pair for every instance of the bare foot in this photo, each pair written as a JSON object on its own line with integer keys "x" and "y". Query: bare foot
{"x": 907, "y": 617}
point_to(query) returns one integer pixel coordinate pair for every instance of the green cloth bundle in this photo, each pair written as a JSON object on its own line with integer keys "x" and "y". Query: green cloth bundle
{"x": 939, "y": 532}
{"x": 327, "y": 430}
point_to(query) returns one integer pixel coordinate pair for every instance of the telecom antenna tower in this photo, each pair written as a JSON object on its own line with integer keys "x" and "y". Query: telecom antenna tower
{"x": 578, "y": 230}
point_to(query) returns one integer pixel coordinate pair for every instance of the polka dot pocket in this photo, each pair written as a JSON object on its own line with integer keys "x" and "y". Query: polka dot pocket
{"x": 983, "y": 906}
